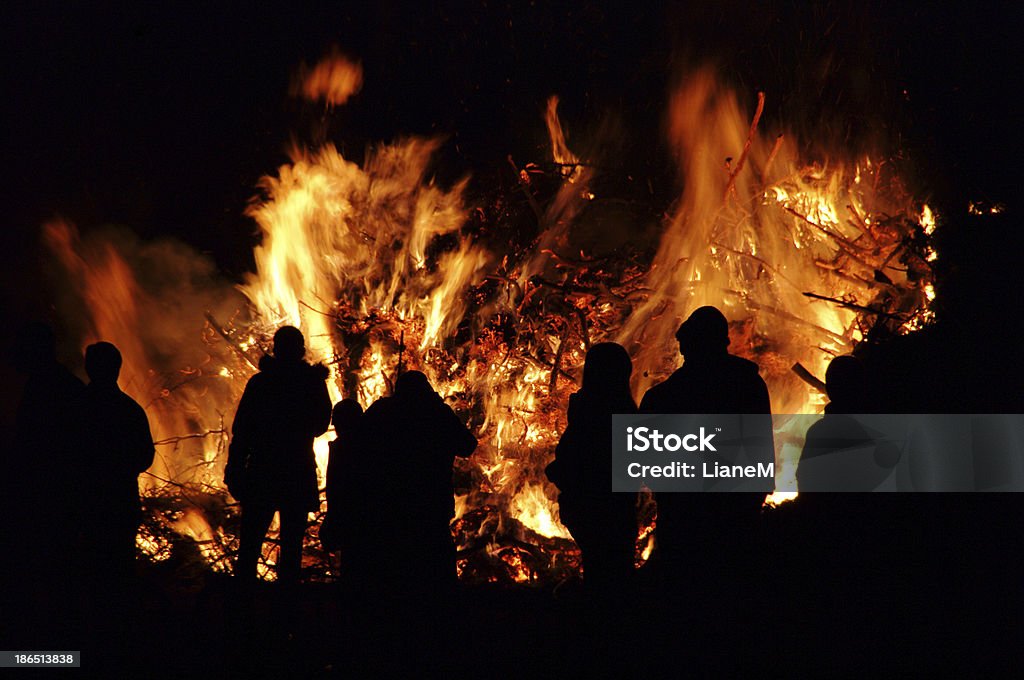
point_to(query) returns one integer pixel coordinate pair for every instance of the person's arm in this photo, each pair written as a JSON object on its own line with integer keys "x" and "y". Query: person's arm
{"x": 322, "y": 410}
{"x": 144, "y": 450}
{"x": 245, "y": 416}
{"x": 241, "y": 432}
{"x": 333, "y": 485}
{"x": 463, "y": 443}
{"x": 761, "y": 441}
{"x": 467, "y": 443}
{"x": 556, "y": 469}
{"x": 571, "y": 450}
{"x": 649, "y": 402}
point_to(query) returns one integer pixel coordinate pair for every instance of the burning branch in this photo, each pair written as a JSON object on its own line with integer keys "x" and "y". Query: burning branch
{"x": 771, "y": 160}
{"x": 231, "y": 342}
{"x": 584, "y": 329}
{"x": 808, "y": 377}
{"x": 730, "y": 187}
{"x": 197, "y": 435}
{"x": 851, "y": 305}
{"x": 756, "y": 306}
{"x": 524, "y": 185}
{"x": 556, "y": 364}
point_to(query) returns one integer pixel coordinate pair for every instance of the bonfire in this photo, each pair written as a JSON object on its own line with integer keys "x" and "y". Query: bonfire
{"x": 381, "y": 267}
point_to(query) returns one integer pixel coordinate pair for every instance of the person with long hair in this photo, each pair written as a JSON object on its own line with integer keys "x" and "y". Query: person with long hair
{"x": 602, "y": 523}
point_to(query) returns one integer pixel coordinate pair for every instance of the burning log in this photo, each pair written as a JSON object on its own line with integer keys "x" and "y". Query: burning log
{"x": 808, "y": 377}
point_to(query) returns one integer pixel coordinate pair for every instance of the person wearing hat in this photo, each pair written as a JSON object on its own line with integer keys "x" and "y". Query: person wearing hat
{"x": 712, "y": 536}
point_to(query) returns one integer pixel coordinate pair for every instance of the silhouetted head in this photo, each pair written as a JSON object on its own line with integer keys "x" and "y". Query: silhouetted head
{"x": 845, "y": 383}
{"x": 705, "y": 331}
{"x": 289, "y": 345}
{"x": 413, "y": 384}
{"x": 607, "y": 369}
{"x": 102, "y": 363}
{"x": 346, "y": 415}
{"x": 35, "y": 347}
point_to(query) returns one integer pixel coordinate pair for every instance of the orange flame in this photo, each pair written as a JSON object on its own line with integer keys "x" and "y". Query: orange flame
{"x": 334, "y": 79}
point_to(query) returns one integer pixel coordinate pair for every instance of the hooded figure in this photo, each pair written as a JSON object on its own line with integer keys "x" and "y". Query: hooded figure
{"x": 271, "y": 466}
{"x": 602, "y": 522}
{"x": 413, "y": 438}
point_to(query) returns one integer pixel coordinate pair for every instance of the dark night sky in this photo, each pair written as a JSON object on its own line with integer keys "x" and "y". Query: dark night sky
{"x": 163, "y": 118}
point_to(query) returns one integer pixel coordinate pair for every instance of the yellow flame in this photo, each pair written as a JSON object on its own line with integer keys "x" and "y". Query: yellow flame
{"x": 559, "y": 148}
{"x": 927, "y": 220}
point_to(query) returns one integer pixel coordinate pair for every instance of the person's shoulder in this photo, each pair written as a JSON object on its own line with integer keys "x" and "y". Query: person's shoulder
{"x": 817, "y": 429}
{"x": 441, "y": 405}
{"x": 135, "y": 406}
{"x": 656, "y": 396}
{"x": 743, "y": 368}
{"x": 257, "y": 378}
{"x": 576, "y": 402}
{"x": 69, "y": 378}
{"x": 317, "y": 372}
{"x": 59, "y": 380}
{"x": 838, "y": 425}
{"x": 126, "y": 403}
{"x": 379, "y": 407}
{"x": 667, "y": 386}
{"x": 660, "y": 388}
{"x": 255, "y": 387}
{"x": 738, "y": 363}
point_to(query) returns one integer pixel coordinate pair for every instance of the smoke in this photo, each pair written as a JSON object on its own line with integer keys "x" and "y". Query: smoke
{"x": 152, "y": 300}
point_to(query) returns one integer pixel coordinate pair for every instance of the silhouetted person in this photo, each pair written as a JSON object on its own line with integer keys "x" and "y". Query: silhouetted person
{"x": 413, "y": 439}
{"x": 42, "y": 472}
{"x": 117, "y": 446}
{"x": 271, "y": 466}
{"x": 711, "y": 536}
{"x": 843, "y": 560}
{"x": 41, "y": 487}
{"x": 846, "y": 386}
{"x": 603, "y": 523}
{"x": 406, "y": 586}
{"x": 840, "y": 454}
{"x": 352, "y": 492}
